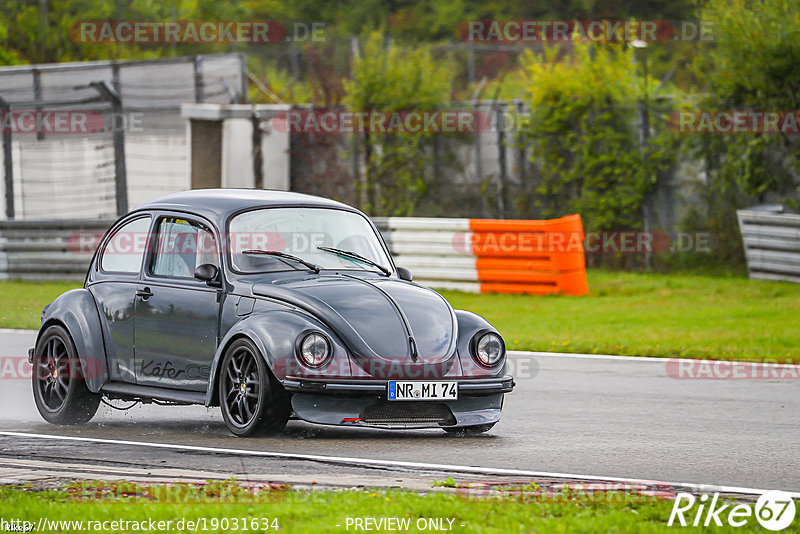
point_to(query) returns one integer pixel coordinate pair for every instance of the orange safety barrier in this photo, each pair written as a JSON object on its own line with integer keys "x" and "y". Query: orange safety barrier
{"x": 534, "y": 257}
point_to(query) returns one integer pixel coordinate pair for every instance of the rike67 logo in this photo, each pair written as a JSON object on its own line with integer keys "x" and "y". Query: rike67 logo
{"x": 774, "y": 510}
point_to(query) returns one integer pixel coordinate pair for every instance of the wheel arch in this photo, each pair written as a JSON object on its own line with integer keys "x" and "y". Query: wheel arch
{"x": 76, "y": 312}
{"x": 212, "y": 395}
{"x": 274, "y": 333}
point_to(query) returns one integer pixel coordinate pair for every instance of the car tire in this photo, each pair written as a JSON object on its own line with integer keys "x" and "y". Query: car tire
{"x": 469, "y": 430}
{"x": 59, "y": 386}
{"x": 252, "y": 401}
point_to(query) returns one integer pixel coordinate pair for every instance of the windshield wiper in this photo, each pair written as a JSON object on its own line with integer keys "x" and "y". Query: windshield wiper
{"x": 314, "y": 267}
{"x": 355, "y": 256}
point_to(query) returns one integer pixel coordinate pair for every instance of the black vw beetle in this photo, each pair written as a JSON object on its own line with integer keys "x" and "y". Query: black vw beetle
{"x": 270, "y": 305}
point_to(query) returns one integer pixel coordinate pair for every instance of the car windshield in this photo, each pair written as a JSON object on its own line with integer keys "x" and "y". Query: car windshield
{"x": 301, "y": 232}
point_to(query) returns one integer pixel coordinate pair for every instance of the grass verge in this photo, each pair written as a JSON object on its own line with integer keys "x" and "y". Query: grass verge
{"x": 227, "y": 507}
{"x": 21, "y": 302}
{"x": 673, "y": 315}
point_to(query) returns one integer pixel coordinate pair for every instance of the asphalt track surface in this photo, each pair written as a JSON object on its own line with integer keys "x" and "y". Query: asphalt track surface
{"x": 593, "y": 416}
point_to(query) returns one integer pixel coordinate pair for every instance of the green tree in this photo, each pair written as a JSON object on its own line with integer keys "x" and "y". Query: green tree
{"x": 584, "y": 139}
{"x": 388, "y": 77}
{"x": 751, "y": 65}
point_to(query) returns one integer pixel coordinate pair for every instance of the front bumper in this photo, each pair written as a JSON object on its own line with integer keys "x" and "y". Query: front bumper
{"x": 364, "y": 403}
{"x": 468, "y": 387}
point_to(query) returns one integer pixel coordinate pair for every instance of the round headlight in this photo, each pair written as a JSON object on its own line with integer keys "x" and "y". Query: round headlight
{"x": 314, "y": 350}
{"x": 489, "y": 349}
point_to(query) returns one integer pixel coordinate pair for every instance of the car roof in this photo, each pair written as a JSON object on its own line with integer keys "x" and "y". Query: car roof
{"x": 218, "y": 204}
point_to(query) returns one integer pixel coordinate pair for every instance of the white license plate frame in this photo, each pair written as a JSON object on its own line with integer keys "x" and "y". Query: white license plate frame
{"x": 422, "y": 390}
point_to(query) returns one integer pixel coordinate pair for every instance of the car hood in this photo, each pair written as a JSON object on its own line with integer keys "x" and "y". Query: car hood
{"x": 379, "y": 319}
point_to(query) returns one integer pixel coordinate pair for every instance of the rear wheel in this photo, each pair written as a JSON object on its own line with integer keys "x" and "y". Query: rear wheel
{"x": 59, "y": 387}
{"x": 469, "y": 430}
{"x": 253, "y": 402}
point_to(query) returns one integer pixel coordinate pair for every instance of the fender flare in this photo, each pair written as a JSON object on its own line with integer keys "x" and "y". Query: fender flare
{"x": 76, "y": 311}
{"x": 274, "y": 333}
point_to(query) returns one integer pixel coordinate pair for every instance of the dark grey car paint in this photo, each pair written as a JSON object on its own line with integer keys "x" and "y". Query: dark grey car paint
{"x": 372, "y": 321}
{"x": 76, "y": 311}
{"x": 115, "y": 303}
{"x": 467, "y": 411}
{"x": 366, "y": 316}
{"x": 176, "y": 333}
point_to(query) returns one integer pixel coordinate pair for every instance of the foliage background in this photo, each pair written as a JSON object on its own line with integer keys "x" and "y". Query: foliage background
{"x": 586, "y": 141}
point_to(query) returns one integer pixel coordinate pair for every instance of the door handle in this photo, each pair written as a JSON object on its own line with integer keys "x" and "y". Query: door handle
{"x": 144, "y": 293}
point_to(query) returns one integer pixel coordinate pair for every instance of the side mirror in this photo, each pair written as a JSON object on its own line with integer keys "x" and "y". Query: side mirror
{"x": 209, "y": 274}
{"x": 404, "y": 274}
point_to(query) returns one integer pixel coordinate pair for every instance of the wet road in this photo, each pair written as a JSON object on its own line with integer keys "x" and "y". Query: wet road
{"x": 611, "y": 417}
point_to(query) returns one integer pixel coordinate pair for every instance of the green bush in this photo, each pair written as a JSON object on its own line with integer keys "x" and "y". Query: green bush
{"x": 388, "y": 77}
{"x": 750, "y": 65}
{"x": 584, "y": 136}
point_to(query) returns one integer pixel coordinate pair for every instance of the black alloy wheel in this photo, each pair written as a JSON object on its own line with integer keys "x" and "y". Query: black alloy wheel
{"x": 253, "y": 402}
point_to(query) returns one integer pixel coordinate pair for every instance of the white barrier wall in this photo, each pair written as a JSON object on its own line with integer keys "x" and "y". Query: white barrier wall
{"x": 475, "y": 255}
{"x": 437, "y": 251}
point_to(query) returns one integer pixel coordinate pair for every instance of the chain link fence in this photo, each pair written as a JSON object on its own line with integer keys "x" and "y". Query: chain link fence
{"x": 95, "y": 139}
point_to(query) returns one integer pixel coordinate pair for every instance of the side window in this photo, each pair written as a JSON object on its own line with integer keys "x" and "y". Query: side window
{"x": 124, "y": 251}
{"x": 183, "y": 245}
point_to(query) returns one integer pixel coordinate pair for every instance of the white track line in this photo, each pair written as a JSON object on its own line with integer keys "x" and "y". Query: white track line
{"x": 650, "y": 359}
{"x": 523, "y": 353}
{"x": 705, "y": 488}
{"x": 529, "y": 353}
{"x": 17, "y": 331}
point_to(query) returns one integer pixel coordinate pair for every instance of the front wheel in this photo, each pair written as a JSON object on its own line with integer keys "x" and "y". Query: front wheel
{"x": 253, "y": 402}
{"x": 59, "y": 387}
{"x": 469, "y": 430}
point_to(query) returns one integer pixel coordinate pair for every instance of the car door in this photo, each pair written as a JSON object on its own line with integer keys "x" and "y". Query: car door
{"x": 112, "y": 282}
{"x": 177, "y": 316}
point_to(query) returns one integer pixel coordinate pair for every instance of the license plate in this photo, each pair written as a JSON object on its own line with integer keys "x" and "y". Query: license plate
{"x": 413, "y": 391}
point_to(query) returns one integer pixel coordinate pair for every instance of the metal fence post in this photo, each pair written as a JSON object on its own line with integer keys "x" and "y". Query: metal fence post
{"x": 198, "y": 79}
{"x": 37, "y": 96}
{"x": 8, "y": 163}
{"x": 648, "y": 204}
{"x": 120, "y": 173}
{"x": 520, "y": 142}
{"x": 243, "y": 87}
{"x": 501, "y": 157}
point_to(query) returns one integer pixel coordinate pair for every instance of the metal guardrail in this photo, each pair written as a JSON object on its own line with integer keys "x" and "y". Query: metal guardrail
{"x": 463, "y": 254}
{"x": 43, "y": 250}
{"x": 771, "y": 243}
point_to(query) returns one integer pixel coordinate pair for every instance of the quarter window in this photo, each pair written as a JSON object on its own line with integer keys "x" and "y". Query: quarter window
{"x": 124, "y": 251}
{"x": 183, "y": 245}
